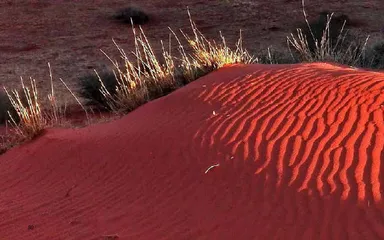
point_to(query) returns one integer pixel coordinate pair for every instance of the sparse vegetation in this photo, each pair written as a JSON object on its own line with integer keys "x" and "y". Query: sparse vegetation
{"x": 132, "y": 14}
{"x": 141, "y": 76}
{"x": 327, "y": 40}
{"x": 131, "y": 84}
{"x": 135, "y": 84}
{"x": 212, "y": 55}
{"x": 146, "y": 77}
{"x": 333, "y": 25}
{"x": 32, "y": 117}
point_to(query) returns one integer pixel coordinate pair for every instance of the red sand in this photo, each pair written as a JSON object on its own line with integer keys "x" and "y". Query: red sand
{"x": 299, "y": 148}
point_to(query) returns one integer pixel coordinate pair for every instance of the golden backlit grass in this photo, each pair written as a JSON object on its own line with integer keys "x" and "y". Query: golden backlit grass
{"x": 139, "y": 80}
{"x": 140, "y": 77}
{"x": 32, "y": 117}
{"x": 146, "y": 77}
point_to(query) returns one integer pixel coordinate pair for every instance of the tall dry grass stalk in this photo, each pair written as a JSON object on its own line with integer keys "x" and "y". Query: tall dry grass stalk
{"x": 341, "y": 51}
{"x": 57, "y": 113}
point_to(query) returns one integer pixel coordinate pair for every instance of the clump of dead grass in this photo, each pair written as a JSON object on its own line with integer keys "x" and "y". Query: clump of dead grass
{"x": 213, "y": 55}
{"x": 147, "y": 77}
{"x": 139, "y": 80}
{"x": 32, "y": 117}
{"x": 343, "y": 48}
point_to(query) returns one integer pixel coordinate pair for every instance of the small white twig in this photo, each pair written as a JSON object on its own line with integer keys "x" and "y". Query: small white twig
{"x": 211, "y": 167}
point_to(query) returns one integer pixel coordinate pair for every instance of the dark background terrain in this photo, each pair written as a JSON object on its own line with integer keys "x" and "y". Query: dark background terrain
{"x": 70, "y": 34}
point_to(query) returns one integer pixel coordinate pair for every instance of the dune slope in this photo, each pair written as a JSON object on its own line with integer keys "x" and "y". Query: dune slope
{"x": 299, "y": 149}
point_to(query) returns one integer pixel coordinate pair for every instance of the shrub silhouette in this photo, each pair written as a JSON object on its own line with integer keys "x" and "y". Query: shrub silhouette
{"x": 138, "y": 16}
{"x": 90, "y": 88}
{"x": 375, "y": 56}
{"x": 6, "y": 105}
{"x": 318, "y": 27}
{"x": 328, "y": 39}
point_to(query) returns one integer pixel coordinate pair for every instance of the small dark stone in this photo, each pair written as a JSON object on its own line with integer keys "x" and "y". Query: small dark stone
{"x": 31, "y": 227}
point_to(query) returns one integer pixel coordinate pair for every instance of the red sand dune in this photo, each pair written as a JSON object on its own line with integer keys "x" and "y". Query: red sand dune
{"x": 299, "y": 147}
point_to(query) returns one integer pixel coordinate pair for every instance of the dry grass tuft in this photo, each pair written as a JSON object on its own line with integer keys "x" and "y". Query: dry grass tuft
{"x": 347, "y": 49}
{"x": 33, "y": 119}
{"x": 137, "y": 81}
{"x": 141, "y": 80}
{"x": 146, "y": 77}
{"x": 210, "y": 54}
